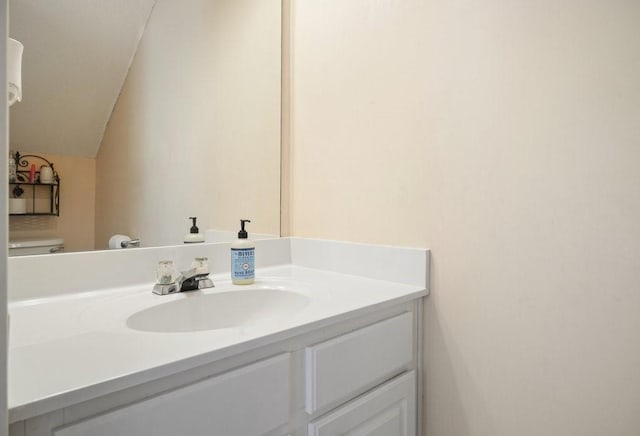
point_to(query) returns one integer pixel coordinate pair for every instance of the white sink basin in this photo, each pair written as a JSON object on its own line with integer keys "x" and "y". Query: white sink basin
{"x": 197, "y": 312}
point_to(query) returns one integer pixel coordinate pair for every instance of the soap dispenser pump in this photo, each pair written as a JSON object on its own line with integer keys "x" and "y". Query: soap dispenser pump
{"x": 243, "y": 258}
{"x": 194, "y": 234}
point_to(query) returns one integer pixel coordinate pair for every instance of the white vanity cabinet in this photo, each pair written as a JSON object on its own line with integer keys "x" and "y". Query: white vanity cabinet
{"x": 355, "y": 375}
{"x": 341, "y": 368}
{"x": 344, "y": 366}
{"x": 389, "y": 410}
{"x": 248, "y": 401}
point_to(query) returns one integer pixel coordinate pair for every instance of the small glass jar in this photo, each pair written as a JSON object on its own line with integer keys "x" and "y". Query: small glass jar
{"x": 166, "y": 272}
{"x": 201, "y": 264}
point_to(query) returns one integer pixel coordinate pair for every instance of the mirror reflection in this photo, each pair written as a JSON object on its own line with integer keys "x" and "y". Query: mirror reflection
{"x": 151, "y": 112}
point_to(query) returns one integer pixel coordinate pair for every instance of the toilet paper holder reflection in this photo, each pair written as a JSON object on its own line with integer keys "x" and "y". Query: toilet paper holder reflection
{"x": 123, "y": 241}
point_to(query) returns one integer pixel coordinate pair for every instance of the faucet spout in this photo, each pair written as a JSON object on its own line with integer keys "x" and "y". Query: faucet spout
{"x": 190, "y": 280}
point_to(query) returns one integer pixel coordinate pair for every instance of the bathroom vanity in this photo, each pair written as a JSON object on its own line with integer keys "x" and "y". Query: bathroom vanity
{"x": 327, "y": 341}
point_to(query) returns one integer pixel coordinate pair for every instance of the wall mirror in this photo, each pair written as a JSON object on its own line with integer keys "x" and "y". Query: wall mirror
{"x": 152, "y": 111}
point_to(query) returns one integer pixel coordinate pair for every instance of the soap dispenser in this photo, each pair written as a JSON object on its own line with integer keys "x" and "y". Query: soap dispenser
{"x": 243, "y": 258}
{"x": 194, "y": 234}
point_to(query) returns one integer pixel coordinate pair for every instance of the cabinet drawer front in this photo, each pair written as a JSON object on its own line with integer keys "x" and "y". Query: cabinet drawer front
{"x": 347, "y": 365}
{"x": 249, "y": 401}
{"x": 389, "y": 410}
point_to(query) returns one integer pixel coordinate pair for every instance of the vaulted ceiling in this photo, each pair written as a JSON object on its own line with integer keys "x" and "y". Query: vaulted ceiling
{"x": 76, "y": 58}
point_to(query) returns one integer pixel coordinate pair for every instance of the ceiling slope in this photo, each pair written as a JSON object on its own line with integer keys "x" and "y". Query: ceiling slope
{"x": 76, "y": 58}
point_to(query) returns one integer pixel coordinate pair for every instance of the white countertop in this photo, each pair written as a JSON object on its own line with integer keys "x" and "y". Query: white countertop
{"x": 65, "y": 349}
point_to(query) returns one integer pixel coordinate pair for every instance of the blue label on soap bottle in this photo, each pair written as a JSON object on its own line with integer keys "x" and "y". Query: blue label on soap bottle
{"x": 242, "y": 263}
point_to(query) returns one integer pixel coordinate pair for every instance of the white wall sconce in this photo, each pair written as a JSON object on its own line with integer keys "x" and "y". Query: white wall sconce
{"x": 14, "y": 70}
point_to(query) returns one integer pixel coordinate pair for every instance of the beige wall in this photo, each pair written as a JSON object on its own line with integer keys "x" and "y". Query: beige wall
{"x": 77, "y": 206}
{"x": 196, "y": 130}
{"x": 504, "y": 136}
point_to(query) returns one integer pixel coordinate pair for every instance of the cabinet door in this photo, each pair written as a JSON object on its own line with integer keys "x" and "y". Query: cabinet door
{"x": 249, "y": 401}
{"x": 389, "y": 410}
{"x": 346, "y": 366}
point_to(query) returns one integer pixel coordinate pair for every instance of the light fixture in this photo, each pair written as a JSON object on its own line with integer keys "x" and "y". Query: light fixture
{"x": 14, "y": 70}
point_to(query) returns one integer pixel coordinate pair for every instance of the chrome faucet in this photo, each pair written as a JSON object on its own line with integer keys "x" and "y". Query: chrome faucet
{"x": 189, "y": 280}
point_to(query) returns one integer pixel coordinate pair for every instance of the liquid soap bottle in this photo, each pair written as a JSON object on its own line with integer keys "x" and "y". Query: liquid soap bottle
{"x": 243, "y": 258}
{"x": 194, "y": 234}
